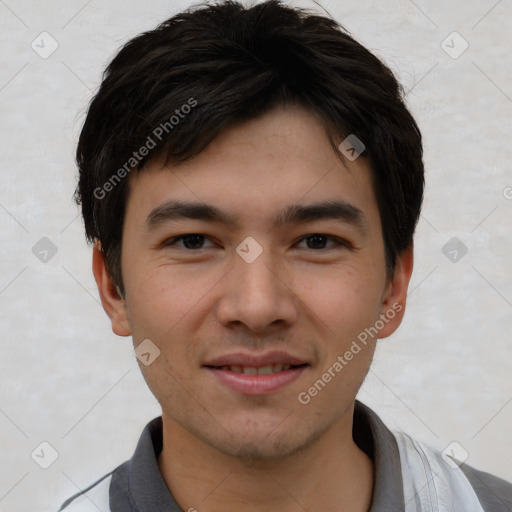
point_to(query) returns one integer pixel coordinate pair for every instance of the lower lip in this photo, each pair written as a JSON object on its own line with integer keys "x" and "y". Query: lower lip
{"x": 257, "y": 384}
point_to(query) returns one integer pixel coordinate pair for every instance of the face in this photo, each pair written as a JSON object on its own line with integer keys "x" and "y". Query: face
{"x": 253, "y": 268}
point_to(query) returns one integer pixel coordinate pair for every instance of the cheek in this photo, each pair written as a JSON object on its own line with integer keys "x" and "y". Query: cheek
{"x": 166, "y": 302}
{"x": 344, "y": 301}
{"x": 166, "y": 307}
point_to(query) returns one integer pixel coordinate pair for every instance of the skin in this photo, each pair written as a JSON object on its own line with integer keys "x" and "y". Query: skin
{"x": 224, "y": 450}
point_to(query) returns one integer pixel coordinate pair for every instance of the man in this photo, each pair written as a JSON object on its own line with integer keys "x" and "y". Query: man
{"x": 251, "y": 180}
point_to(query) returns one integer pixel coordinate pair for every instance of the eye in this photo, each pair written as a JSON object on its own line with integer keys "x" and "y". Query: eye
{"x": 190, "y": 241}
{"x": 319, "y": 241}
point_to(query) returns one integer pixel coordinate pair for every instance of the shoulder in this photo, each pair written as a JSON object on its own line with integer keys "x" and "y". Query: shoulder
{"x": 93, "y": 498}
{"x": 431, "y": 476}
{"x": 495, "y": 494}
{"x": 136, "y": 475}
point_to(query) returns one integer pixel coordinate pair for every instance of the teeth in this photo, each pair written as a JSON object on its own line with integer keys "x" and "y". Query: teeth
{"x": 263, "y": 370}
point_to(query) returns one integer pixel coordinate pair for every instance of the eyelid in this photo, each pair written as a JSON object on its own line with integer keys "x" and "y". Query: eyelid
{"x": 336, "y": 239}
{"x": 339, "y": 242}
{"x": 172, "y": 241}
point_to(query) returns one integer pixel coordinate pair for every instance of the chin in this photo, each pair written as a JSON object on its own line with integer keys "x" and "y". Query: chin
{"x": 255, "y": 445}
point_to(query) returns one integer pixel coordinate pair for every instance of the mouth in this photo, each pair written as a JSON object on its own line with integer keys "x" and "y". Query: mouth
{"x": 262, "y": 370}
{"x": 256, "y": 375}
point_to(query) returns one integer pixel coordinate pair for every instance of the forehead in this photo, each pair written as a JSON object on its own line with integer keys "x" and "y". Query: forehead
{"x": 255, "y": 169}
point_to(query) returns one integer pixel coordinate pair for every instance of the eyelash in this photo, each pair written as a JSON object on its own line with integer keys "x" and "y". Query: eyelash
{"x": 340, "y": 242}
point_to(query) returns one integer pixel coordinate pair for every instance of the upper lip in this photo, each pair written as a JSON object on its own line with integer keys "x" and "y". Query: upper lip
{"x": 255, "y": 360}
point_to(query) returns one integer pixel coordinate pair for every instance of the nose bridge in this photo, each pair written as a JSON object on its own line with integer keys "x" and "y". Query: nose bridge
{"x": 255, "y": 294}
{"x": 257, "y": 276}
{"x": 252, "y": 263}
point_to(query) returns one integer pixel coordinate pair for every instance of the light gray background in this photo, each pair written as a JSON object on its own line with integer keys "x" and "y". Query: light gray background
{"x": 66, "y": 379}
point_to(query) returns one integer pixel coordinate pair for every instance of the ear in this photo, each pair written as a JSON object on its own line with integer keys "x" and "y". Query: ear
{"x": 395, "y": 295}
{"x": 113, "y": 304}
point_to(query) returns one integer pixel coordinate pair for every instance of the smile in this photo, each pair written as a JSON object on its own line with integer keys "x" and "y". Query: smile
{"x": 253, "y": 375}
{"x": 263, "y": 370}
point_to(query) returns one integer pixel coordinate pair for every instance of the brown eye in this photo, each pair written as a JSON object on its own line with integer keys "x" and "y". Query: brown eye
{"x": 318, "y": 241}
{"x": 192, "y": 241}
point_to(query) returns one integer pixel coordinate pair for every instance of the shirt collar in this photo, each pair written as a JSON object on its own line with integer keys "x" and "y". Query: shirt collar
{"x": 141, "y": 479}
{"x": 378, "y": 442}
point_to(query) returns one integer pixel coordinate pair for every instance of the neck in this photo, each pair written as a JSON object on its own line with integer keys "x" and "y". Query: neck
{"x": 332, "y": 473}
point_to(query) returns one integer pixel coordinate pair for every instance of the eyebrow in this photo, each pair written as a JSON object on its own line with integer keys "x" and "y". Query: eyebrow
{"x": 323, "y": 210}
{"x": 294, "y": 214}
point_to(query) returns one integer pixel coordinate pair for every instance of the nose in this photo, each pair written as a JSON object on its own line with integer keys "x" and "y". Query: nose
{"x": 257, "y": 295}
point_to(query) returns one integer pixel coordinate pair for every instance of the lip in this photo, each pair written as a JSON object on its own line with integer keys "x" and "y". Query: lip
{"x": 254, "y": 385}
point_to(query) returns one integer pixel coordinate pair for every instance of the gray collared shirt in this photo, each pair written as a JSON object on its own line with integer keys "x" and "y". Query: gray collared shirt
{"x": 138, "y": 486}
